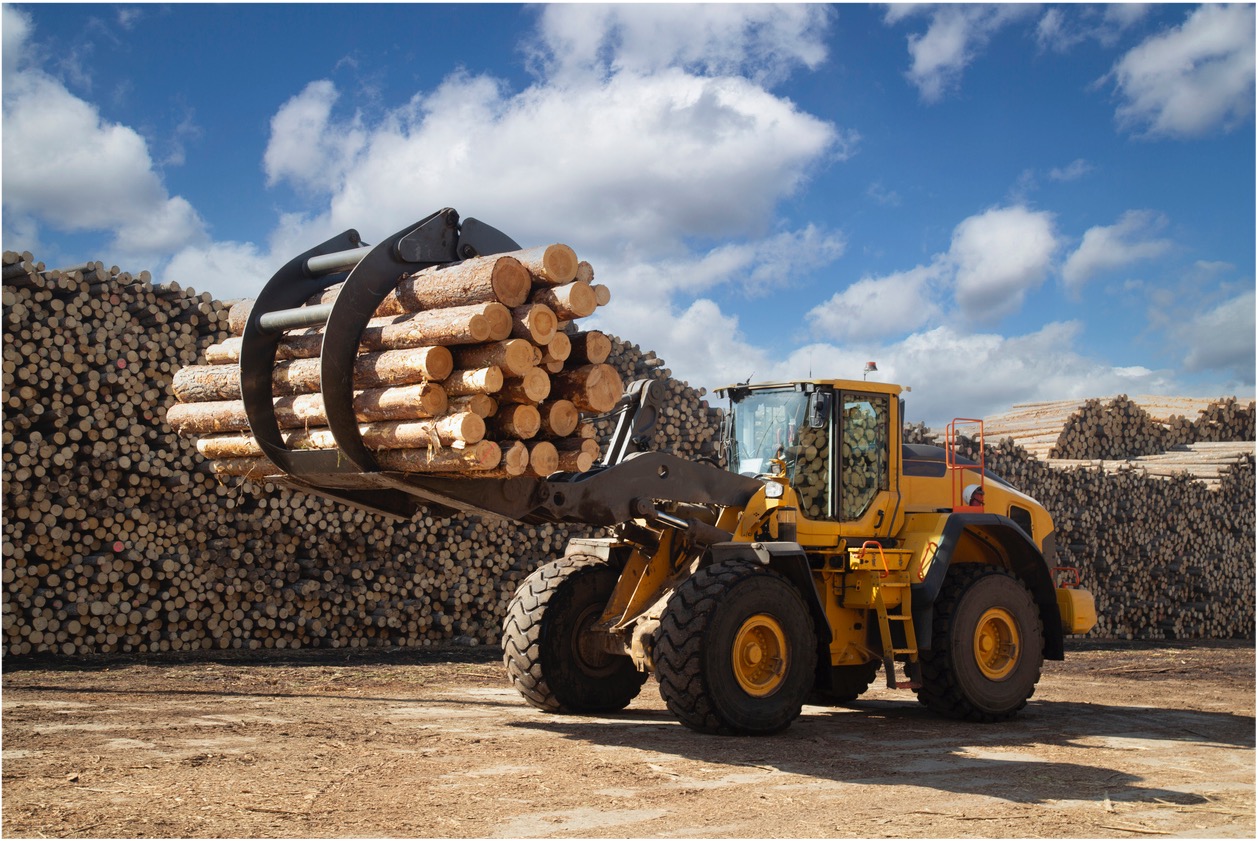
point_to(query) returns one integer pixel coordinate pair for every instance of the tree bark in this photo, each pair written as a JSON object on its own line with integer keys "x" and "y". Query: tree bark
{"x": 478, "y": 381}
{"x": 481, "y": 456}
{"x": 198, "y": 383}
{"x": 408, "y": 402}
{"x": 448, "y": 430}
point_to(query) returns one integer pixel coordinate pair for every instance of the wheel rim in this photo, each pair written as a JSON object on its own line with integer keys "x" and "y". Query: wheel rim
{"x": 996, "y": 643}
{"x": 760, "y": 655}
{"x": 592, "y": 657}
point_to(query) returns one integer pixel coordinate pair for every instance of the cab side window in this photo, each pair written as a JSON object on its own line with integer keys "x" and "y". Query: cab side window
{"x": 863, "y": 472}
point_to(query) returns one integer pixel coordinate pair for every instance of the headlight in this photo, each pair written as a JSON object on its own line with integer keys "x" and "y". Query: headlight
{"x": 774, "y": 490}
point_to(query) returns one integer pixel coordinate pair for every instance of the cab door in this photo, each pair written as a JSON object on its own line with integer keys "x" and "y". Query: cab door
{"x": 867, "y": 448}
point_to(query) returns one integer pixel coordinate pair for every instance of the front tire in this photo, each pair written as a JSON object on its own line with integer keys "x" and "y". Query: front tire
{"x": 549, "y": 656}
{"x": 988, "y": 646}
{"x": 736, "y": 652}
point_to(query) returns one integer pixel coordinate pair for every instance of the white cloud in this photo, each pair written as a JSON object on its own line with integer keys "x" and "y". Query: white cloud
{"x": 70, "y": 168}
{"x": 1191, "y": 80}
{"x": 957, "y": 374}
{"x": 702, "y": 345}
{"x": 763, "y": 43}
{"x": 16, "y": 29}
{"x": 1001, "y": 255}
{"x": 1072, "y": 171}
{"x": 954, "y": 38}
{"x": 879, "y": 306}
{"x": 1221, "y": 338}
{"x": 954, "y": 373}
{"x": 1065, "y": 27}
{"x": 228, "y": 270}
{"x": 1105, "y": 248}
{"x": 304, "y": 148}
{"x": 994, "y": 260}
{"x": 647, "y": 160}
{"x": 651, "y": 141}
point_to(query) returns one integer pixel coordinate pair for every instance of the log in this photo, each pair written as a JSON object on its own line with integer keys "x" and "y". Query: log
{"x": 558, "y": 350}
{"x": 591, "y": 388}
{"x": 533, "y": 386}
{"x": 410, "y": 402}
{"x": 535, "y": 322}
{"x": 572, "y": 300}
{"x": 591, "y": 347}
{"x": 550, "y": 265}
{"x": 198, "y": 383}
{"x": 514, "y": 462}
{"x": 515, "y": 421}
{"x": 480, "y": 404}
{"x": 448, "y": 430}
{"x": 478, "y": 381}
{"x": 543, "y": 458}
{"x": 465, "y": 325}
{"x": 558, "y": 418}
{"x": 513, "y": 356}
{"x": 493, "y": 278}
{"x": 481, "y": 456}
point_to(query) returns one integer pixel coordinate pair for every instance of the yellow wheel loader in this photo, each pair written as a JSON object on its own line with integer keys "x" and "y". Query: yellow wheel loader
{"x": 823, "y": 550}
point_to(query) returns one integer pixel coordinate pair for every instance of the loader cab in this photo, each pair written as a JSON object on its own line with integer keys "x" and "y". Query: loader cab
{"x": 837, "y": 443}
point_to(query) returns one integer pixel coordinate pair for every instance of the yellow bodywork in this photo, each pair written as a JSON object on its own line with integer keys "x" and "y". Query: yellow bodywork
{"x": 1077, "y": 609}
{"x": 863, "y": 567}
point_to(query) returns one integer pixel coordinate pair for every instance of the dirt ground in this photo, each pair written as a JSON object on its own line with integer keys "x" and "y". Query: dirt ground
{"x": 1119, "y": 741}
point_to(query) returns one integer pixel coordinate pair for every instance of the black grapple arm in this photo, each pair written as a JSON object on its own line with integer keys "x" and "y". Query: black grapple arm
{"x": 623, "y": 487}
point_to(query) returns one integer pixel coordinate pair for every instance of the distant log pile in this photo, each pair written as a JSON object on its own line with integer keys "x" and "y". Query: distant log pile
{"x": 1121, "y": 427}
{"x": 119, "y": 538}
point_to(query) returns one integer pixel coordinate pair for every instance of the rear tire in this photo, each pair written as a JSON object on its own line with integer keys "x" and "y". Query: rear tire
{"x": 548, "y": 657}
{"x": 736, "y": 652}
{"x": 988, "y": 646}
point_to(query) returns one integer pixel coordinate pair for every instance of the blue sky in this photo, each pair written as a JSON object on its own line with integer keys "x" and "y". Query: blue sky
{"x": 997, "y": 204}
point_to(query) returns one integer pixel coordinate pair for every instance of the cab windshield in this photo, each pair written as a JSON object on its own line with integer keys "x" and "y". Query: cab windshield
{"x": 765, "y": 425}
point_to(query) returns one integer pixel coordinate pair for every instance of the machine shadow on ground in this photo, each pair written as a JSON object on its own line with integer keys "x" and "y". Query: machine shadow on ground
{"x": 895, "y": 743}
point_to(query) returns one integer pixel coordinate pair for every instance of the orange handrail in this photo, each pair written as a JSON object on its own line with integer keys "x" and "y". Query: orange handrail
{"x": 956, "y": 470}
{"x": 886, "y": 569}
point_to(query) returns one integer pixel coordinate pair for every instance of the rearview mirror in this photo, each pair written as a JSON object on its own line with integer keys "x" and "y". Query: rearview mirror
{"x": 819, "y": 409}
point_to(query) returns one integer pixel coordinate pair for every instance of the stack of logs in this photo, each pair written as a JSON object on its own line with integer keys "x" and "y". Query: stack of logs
{"x": 461, "y": 371}
{"x": 119, "y": 538}
{"x": 1120, "y": 429}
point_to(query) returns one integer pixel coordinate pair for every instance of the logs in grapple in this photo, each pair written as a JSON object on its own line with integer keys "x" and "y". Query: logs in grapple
{"x": 443, "y": 334}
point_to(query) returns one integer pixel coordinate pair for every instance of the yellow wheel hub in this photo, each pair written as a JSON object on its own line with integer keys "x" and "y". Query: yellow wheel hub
{"x": 997, "y": 646}
{"x": 760, "y": 655}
